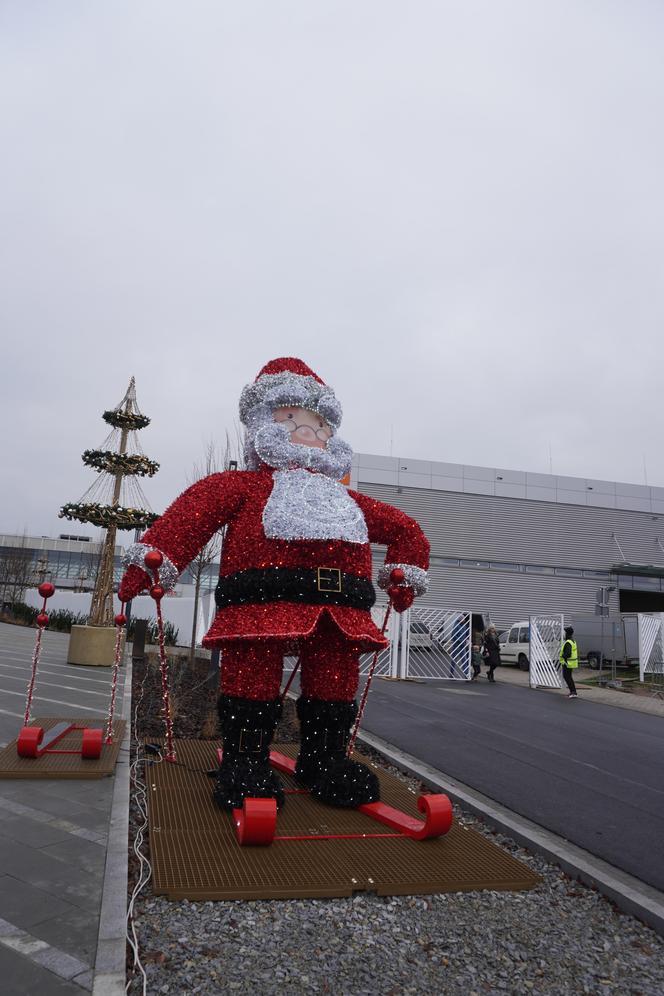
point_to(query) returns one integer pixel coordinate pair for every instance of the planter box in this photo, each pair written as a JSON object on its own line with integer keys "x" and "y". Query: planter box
{"x": 92, "y": 646}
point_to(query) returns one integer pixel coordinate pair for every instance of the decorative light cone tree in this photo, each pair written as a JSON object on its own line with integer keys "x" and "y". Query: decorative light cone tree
{"x": 115, "y": 501}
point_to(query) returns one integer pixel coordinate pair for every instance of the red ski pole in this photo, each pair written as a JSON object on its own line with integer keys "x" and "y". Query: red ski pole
{"x": 153, "y": 561}
{"x": 45, "y": 590}
{"x": 396, "y": 577}
{"x": 290, "y": 680}
{"x": 120, "y": 620}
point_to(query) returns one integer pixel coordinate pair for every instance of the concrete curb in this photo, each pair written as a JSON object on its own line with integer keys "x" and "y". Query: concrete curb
{"x": 110, "y": 962}
{"x": 628, "y": 893}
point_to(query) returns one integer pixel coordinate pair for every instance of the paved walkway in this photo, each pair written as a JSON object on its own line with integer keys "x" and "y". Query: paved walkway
{"x": 53, "y": 833}
{"x": 651, "y": 704}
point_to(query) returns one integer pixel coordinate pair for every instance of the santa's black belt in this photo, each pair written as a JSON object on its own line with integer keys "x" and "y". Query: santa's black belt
{"x": 315, "y": 586}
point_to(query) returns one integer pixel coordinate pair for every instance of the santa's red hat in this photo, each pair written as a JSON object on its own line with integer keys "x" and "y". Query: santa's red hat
{"x": 288, "y": 381}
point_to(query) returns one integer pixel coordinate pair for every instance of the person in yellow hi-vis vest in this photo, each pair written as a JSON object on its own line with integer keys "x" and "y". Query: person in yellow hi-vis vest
{"x": 569, "y": 660}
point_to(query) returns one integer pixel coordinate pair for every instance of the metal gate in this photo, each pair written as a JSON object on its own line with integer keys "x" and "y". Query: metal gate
{"x": 424, "y": 643}
{"x": 435, "y": 643}
{"x": 651, "y": 644}
{"x": 546, "y": 637}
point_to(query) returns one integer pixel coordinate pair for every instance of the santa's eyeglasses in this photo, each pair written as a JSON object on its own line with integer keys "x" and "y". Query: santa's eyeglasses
{"x": 306, "y": 431}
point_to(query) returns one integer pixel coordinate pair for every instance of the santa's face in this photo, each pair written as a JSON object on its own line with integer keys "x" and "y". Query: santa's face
{"x": 305, "y": 428}
{"x": 290, "y": 436}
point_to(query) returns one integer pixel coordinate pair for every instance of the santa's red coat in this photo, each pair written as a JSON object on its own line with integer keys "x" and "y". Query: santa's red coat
{"x": 236, "y": 499}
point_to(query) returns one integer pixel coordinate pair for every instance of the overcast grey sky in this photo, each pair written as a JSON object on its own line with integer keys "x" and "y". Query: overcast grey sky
{"x": 452, "y": 211}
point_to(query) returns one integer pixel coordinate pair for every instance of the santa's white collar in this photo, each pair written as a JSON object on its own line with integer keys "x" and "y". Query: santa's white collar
{"x": 309, "y": 506}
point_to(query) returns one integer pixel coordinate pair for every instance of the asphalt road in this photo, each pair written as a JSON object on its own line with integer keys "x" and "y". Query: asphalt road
{"x": 593, "y": 774}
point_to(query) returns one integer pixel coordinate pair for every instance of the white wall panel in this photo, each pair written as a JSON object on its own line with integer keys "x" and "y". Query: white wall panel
{"x": 528, "y": 532}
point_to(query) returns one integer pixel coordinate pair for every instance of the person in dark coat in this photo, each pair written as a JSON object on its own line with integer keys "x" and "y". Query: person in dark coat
{"x": 491, "y": 651}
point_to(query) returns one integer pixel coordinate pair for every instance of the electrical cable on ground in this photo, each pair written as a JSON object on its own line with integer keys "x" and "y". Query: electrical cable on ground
{"x": 145, "y": 868}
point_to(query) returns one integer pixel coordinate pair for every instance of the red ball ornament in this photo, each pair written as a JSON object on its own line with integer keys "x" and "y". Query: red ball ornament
{"x": 120, "y": 619}
{"x": 393, "y": 591}
{"x": 157, "y": 592}
{"x": 46, "y": 589}
{"x": 42, "y": 619}
{"x": 153, "y": 560}
{"x": 397, "y": 575}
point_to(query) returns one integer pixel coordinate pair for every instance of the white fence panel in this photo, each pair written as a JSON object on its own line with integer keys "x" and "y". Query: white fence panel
{"x": 436, "y": 643}
{"x": 424, "y": 643}
{"x": 546, "y": 637}
{"x": 651, "y": 646}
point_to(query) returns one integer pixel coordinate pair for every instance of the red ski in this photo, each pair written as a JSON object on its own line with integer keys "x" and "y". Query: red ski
{"x": 34, "y": 742}
{"x": 256, "y": 822}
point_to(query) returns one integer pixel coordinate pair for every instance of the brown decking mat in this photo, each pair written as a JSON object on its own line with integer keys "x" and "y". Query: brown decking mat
{"x": 195, "y": 855}
{"x": 64, "y": 765}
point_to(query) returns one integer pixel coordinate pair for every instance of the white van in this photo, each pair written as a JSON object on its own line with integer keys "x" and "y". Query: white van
{"x": 516, "y": 646}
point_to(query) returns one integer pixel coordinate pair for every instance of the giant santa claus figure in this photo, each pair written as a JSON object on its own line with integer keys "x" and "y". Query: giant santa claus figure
{"x": 295, "y": 577}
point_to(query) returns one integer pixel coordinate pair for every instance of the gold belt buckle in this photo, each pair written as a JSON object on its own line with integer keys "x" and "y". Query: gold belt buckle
{"x": 329, "y": 579}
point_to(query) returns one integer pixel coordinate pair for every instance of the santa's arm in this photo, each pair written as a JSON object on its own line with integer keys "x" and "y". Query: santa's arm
{"x": 183, "y": 530}
{"x": 407, "y": 546}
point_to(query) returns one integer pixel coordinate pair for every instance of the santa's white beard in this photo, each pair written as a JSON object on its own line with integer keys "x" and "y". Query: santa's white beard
{"x": 271, "y": 444}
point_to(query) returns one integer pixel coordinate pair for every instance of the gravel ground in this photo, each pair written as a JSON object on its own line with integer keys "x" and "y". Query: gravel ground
{"x": 560, "y": 938}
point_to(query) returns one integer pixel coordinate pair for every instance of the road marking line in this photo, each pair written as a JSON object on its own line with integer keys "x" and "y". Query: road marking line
{"x": 68, "y": 688}
{"x": 461, "y": 691}
{"x": 83, "y": 669}
{"x": 55, "y": 674}
{"x": 6, "y": 712}
{"x": 72, "y": 705}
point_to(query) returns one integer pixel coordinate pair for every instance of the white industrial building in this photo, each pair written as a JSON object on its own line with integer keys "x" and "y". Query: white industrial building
{"x": 509, "y": 543}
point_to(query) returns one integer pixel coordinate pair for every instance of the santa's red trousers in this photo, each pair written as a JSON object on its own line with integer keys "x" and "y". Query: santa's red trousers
{"x": 329, "y": 666}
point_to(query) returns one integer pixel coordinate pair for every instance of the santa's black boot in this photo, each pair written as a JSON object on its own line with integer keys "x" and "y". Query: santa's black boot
{"x": 322, "y": 764}
{"x": 247, "y": 727}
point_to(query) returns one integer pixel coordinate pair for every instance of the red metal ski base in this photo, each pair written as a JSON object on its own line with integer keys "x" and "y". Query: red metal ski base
{"x": 256, "y": 822}
{"x": 33, "y": 742}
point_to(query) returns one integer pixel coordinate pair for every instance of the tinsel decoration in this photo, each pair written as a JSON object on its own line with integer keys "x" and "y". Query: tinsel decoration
{"x": 289, "y": 381}
{"x": 250, "y": 559}
{"x": 295, "y": 578}
{"x": 412, "y": 576}
{"x": 135, "y": 555}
